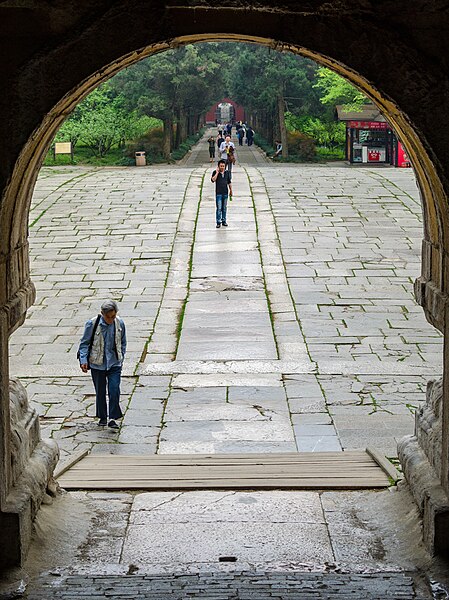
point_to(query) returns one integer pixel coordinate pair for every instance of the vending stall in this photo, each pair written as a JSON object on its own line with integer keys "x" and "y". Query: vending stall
{"x": 369, "y": 142}
{"x": 370, "y": 138}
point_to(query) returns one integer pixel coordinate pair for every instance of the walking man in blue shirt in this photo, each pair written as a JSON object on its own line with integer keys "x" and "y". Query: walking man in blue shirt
{"x": 102, "y": 351}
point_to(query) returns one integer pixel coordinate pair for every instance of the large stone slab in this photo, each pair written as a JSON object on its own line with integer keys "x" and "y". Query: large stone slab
{"x": 213, "y": 524}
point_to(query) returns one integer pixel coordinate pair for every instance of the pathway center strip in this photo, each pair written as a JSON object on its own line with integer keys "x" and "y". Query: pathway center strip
{"x": 163, "y": 342}
{"x": 290, "y": 341}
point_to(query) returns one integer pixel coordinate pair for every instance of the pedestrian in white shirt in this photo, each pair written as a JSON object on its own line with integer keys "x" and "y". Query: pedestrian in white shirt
{"x": 227, "y": 152}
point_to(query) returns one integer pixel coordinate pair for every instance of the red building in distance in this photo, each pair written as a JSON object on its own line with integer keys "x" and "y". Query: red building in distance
{"x": 224, "y": 111}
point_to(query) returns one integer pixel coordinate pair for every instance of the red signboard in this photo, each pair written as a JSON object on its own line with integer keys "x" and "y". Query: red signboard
{"x": 368, "y": 124}
{"x": 373, "y": 156}
{"x": 403, "y": 158}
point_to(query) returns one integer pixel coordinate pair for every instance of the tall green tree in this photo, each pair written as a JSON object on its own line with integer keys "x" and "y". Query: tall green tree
{"x": 323, "y": 128}
{"x": 334, "y": 89}
{"x": 102, "y": 120}
{"x": 176, "y": 86}
{"x": 267, "y": 83}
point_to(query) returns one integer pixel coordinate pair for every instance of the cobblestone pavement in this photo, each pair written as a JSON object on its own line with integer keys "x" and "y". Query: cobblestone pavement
{"x": 293, "y": 328}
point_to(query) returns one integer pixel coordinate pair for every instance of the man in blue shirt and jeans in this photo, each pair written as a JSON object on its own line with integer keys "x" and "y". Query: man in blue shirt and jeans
{"x": 222, "y": 179}
{"x": 102, "y": 351}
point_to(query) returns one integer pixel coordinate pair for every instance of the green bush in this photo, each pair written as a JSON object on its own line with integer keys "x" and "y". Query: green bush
{"x": 300, "y": 146}
{"x": 60, "y": 160}
{"x": 82, "y": 155}
{"x": 264, "y": 144}
{"x": 186, "y": 145}
{"x": 330, "y": 153}
{"x": 329, "y": 134}
{"x": 150, "y": 143}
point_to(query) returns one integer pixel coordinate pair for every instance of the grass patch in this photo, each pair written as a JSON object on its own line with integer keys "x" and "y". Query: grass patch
{"x": 330, "y": 153}
{"x": 118, "y": 157}
{"x": 82, "y": 155}
{"x": 300, "y": 151}
{"x": 181, "y": 315}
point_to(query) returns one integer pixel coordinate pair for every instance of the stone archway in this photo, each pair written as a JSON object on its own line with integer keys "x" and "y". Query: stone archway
{"x": 54, "y": 56}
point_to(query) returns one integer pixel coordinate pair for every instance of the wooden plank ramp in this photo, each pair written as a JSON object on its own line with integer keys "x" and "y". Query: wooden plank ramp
{"x": 355, "y": 469}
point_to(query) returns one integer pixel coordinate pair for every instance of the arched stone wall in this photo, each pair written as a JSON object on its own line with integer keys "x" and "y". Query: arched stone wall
{"x": 53, "y": 54}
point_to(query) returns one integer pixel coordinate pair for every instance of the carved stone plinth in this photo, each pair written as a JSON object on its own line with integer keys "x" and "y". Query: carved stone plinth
{"x": 32, "y": 463}
{"x": 420, "y": 456}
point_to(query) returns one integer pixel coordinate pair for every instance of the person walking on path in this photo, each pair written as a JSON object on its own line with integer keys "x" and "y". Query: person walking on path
{"x": 249, "y": 136}
{"x": 227, "y": 152}
{"x": 102, "y": 351}
{"x": 211, "y": 142}
{"x": 220, "y": 140}
{"x": 223, "y": 188}
{"x": 240, "y": 134}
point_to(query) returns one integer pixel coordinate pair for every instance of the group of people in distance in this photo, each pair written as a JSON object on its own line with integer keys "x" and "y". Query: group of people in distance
{"x": 224, "y": 144}
{"x": 222, "y": 175}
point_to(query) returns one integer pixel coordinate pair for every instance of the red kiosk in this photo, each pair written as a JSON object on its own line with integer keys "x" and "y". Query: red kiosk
{"x": 370, "y": 138}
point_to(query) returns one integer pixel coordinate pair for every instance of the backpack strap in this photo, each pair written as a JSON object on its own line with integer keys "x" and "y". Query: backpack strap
{"x": 115, "y": 337}
{"x": 97, "y": 320}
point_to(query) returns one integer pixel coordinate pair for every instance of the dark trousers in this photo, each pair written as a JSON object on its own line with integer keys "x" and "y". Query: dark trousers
{"x": 110, "y": 377}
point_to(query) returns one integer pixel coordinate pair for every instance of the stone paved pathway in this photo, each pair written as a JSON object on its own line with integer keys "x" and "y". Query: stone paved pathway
{"x": 211, "y": 543}
{"x": 294, "y": 328}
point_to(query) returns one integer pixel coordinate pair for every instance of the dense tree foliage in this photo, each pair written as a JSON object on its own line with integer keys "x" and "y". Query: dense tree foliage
{"x": 280, "y": 92}
{"x": 102, "y": 120}
{"x": 336, "y": 90}
{"x": 175, "y": 87}
{"x": 266, "y": 82}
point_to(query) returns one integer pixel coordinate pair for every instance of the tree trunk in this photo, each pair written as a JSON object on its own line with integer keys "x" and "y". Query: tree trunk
{"x": 276, "y": 134}
{"x": 179, "y": 129}
{"x": 282, "y": 127}
{"x": 177, "y": 135}
{"x": 268, "y": 126}
{"x": 258, "y": 124}
{"x": 172, "y": 135}
{"x": 166, "y": 140}
{"x": 262, "y": 128}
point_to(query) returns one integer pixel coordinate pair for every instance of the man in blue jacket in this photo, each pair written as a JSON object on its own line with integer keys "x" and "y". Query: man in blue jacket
{"x": 102, "y": 351}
